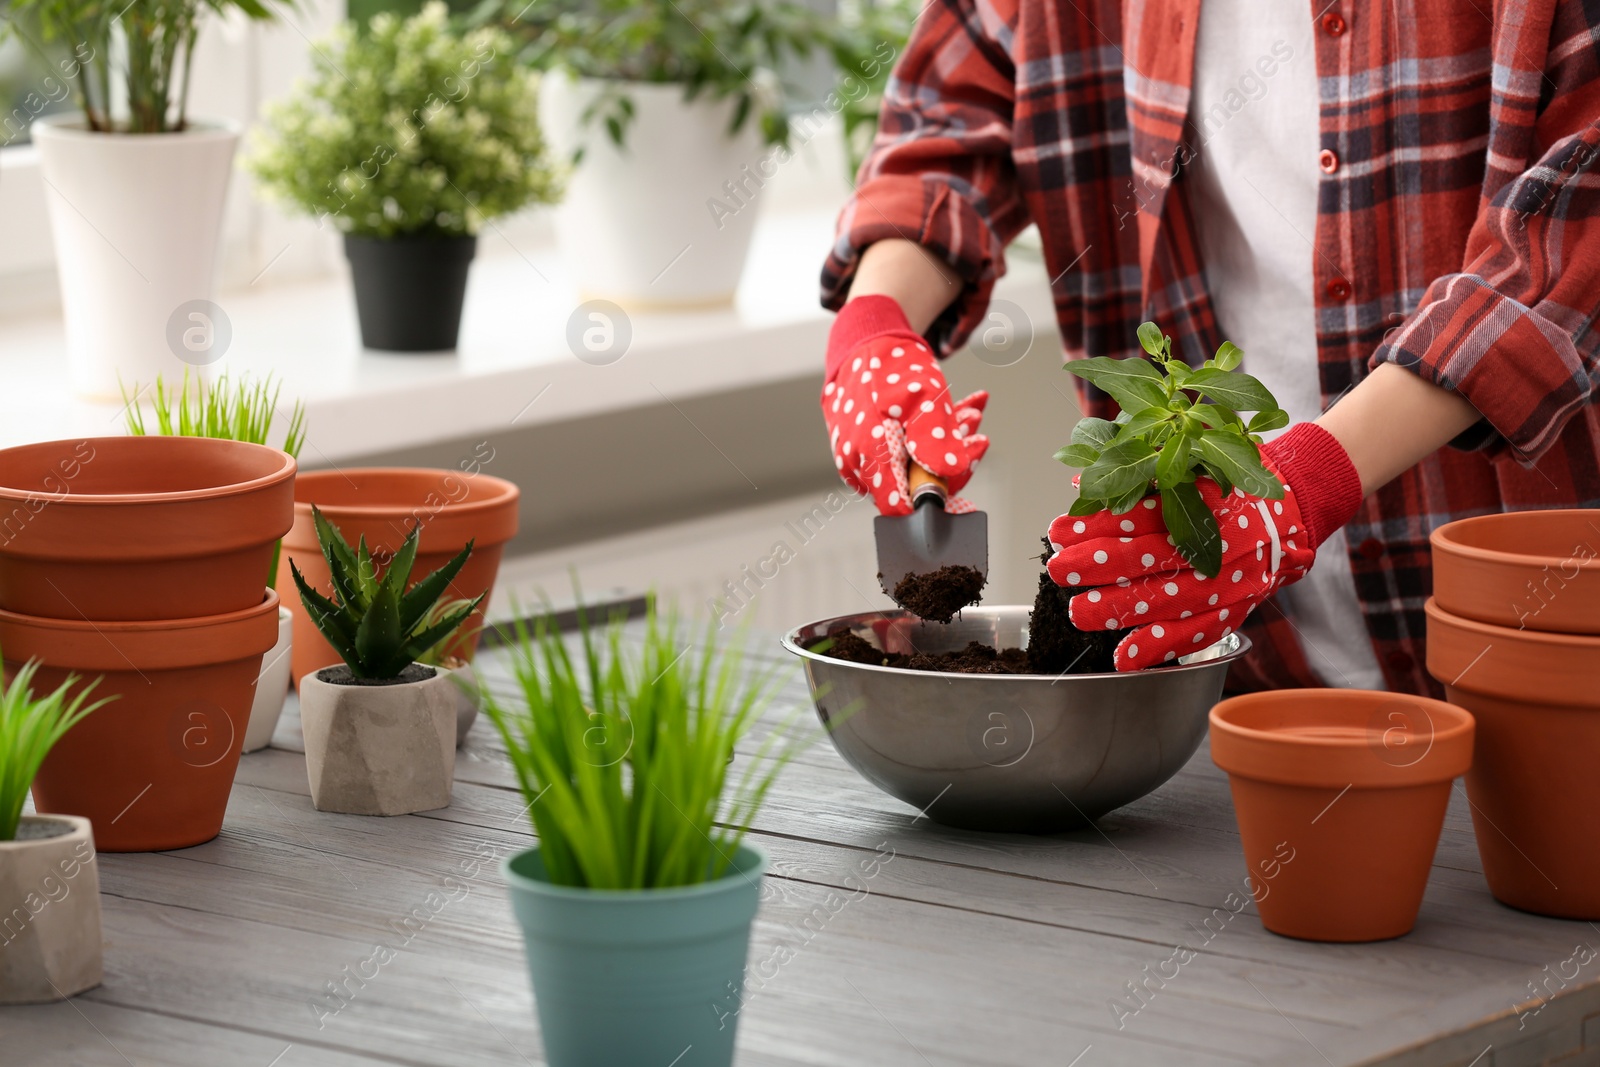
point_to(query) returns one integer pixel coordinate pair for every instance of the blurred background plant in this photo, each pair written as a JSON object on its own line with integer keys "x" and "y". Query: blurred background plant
{"x": 146, "y": 45}
{"x": 229, "y": 409}
{"x": 407, "y": 127}
{"x": 29, "y": 728}
{"x": 749, "y": 51}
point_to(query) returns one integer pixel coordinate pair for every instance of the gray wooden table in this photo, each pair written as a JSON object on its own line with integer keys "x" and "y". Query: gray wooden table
{"x": 884, "y": 939}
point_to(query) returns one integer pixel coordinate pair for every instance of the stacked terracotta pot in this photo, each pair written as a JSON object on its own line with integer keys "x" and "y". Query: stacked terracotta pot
{"x": 1514, "y": 636}
{"x": 140, "y": 560}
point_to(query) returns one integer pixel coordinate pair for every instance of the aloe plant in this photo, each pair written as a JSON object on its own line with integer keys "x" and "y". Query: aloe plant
{"x": 29, "y": 728}
{"x": 623, "y": 753}
{"x": 376, "y": 625}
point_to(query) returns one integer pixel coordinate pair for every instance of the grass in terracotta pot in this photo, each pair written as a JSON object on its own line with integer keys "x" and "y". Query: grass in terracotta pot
{"x": 379, "y": 731}
{"x": 409, "y": 136}
{"x": 637, "y": 902}
{"x": 56, "y": 951}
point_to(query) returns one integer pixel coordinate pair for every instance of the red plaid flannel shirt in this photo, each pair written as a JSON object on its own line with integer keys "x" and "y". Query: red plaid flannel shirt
{"x": 1458, "y": 233}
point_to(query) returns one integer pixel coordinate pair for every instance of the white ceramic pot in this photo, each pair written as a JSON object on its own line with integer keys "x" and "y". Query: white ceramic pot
{"x": 379, "y": 749}
{"x": 665, "y": 220}
{"x": 50, "y": 930}
{"x": 136, "y": 219}
{"x": 272, "y": 687}
{"x": 469, "y": 695}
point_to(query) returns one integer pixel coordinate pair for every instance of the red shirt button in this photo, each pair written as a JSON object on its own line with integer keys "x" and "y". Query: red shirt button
{"x": 1328, "y": 161}
{"x": 1371, "y": 548}
{"x": 1334, "y": 25}
{"x": 1339, "y": 289}
{"x": 1400, "y": 662}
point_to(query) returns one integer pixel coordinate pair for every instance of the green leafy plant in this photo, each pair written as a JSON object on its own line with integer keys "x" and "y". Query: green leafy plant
{"x": 376, "y": 626}
{"x": 740, "y": 51}
{"x": 439, "y": 655}
{"x": 408, "y": 128}
{"x": 29, "y": 728}
{"x": 1177, "y": 424}
{"x": 231, "y": 410}
{"x": 623, "y": 756}
{"x": 152, "y": 40}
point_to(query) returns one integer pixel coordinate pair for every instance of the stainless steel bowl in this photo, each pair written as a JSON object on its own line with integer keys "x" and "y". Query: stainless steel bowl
{"x": 1026, "y": 753}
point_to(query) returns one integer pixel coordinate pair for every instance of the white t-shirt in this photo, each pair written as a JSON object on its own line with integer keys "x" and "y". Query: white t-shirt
{"x": 1253, "y": 186}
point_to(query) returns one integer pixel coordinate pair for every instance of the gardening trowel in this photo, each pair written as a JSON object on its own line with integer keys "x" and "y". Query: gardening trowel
{"x": 927, "y": 540}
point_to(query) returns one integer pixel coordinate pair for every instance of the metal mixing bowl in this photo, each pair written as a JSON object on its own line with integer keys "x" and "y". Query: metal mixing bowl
{"x": 1027, "y": 753}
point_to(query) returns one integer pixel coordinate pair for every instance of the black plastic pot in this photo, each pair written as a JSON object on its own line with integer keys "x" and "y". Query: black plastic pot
{"x": 409, "y": 289}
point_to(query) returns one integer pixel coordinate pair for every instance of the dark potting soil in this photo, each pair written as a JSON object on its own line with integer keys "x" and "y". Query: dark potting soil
{"x": 1055, "y": 646}
{"x": 974, "y": 659}
{"x": 938, "y": 595}
{"x": 343, "y": 675}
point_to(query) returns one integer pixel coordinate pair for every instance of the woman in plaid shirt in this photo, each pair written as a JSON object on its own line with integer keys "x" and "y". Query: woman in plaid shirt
{"x": 1392, "y": 206}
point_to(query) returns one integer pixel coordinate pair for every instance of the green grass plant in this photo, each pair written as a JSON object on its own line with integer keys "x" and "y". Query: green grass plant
{"x": 29, "y": 728}
{"x": 623, "y": 750}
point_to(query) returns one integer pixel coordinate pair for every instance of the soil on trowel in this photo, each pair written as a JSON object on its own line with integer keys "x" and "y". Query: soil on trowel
{"x": 976, "y": 658}
{"x": 1055, "y": 646}
{"x": 938, "y": 595}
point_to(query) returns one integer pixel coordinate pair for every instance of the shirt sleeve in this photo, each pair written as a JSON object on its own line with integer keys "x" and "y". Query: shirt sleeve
{"x": 940, "y": 171}
{"x": 1513, "y": 331}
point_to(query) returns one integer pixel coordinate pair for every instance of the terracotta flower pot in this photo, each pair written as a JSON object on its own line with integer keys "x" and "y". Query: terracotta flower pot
{"x": 50, "y": 932}
{"x": 152, "y": 770}
{"x": 379, "y": 749}
{"x": 1340, "y": 796}
{"x": 1533, "y": 785}
{"x": 381, "y": 504}
{"x": 139, "y": 528}
{"x": 1529, "y": 570}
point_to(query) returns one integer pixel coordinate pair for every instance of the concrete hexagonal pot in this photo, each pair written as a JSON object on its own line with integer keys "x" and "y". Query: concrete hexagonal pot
{"x": 50, "y": 929}
{"x": 379, "y": 748}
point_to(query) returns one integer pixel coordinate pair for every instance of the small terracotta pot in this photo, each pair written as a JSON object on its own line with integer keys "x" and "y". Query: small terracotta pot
{"x": 1528, "y": 570}
{"x": 50, "y": 930}
{"x": 1340, "y": 796}
{"x": 272, "y": 687}
{"x": 379, "y": 749}
{"x": 139, "y": 528}
{"x": 1533, "y": 785}
{"x": 152, "y": 770}
{"x": 381, "y": 504}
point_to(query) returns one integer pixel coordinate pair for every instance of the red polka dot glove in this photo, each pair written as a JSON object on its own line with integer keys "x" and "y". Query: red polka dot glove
{"x": 1141, "y": 581}
{"x": 886, "y": 403}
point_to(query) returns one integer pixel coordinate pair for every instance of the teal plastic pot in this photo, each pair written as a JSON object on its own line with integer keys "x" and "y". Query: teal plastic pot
{"x": 648, "y": 977}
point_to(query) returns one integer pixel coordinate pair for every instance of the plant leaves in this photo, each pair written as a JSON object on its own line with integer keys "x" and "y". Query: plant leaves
{"x": 1124, "y": 466}
{"x": 415, "y": 604}
{"x": 1240, "y": 461}
{"x": 1150, "y": 338}
{"x": 1141, "y": 422}
{"x": 1239, "y": 391}
{"x": 1173, "y": 463}
{"x": 1217, "y": 418}
{"x": 1229, "y": 356}
{"x": 1262, "y": 421}
{"x": 1096, "y": 433}
{"x": 1077, "y": 455}
{"x": 1086, "y": 505}
{"x": 1129, "y": 500}
{"x": 379, "y": 641}
{"x": 1133, "y": 383}
{"x": 1193, "y": 528}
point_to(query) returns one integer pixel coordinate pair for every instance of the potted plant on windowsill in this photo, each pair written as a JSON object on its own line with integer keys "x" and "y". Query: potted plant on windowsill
{"x": 637, "y": 902}
{"x": 135, "y": 187}
{"x": 409, "y": 136}
{"x": 49, "y": 880}
{"x": 674, "y": 113}
{"x": 234, "y": 411}
{"x": 379, "y": 731}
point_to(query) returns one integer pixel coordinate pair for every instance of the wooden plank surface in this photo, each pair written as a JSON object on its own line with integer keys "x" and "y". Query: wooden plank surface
{"x": 883, "y": 939}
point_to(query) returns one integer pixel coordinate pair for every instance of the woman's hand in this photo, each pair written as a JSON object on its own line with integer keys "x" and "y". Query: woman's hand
{"x": 1142, "y": 582}
{"x": 886, "y": 403}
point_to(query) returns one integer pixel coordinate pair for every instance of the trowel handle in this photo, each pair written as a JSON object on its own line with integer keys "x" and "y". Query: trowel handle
{"x": 924, "y": 484}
